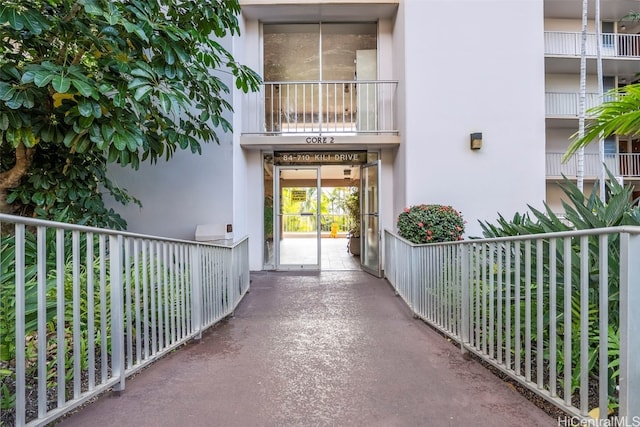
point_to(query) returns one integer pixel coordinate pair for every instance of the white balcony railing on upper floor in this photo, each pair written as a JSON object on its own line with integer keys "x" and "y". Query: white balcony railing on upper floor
{"x": 327, "y": 107}
{"x": 620, "y": 164}
{"x": 564, "y": 43}
{"x": 567, "y": 104}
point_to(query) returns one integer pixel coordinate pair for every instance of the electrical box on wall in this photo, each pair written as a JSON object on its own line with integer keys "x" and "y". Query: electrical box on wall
{"x": 213, "y": 233}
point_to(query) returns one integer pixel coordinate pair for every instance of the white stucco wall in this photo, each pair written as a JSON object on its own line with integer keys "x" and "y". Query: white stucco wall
{"x": 569, "y": 83}
{"x": 248, "y": 178}
{"x": 474, "y": 66}
{"x": 555, "y": 195}
{"x": 570, "y": 25}
{"x": 399, "y": 162}
{"x": 558, "y": 140}
{"x": 177, "y": 195}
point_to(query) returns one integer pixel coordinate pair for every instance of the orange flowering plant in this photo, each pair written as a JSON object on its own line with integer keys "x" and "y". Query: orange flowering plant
{"x": 430, "y": 224}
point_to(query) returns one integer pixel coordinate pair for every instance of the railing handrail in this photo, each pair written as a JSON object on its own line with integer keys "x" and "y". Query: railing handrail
{"x": 555, "y": 92}
{"x": 588, "y": 32}
{"x": 536, "y": 307}
{"x": 82, "y": 284}
{"x": 90, "y": 229}
{"x": 614, "y": 45}
{"x": 630, "y": 229}
{"x": 322, "y": 107}
{"x": 326, "y": 81}
{"x": 596, "y": 154}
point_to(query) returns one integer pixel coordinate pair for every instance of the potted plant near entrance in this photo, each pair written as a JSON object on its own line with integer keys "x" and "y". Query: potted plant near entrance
{"x": 352, "y": 206}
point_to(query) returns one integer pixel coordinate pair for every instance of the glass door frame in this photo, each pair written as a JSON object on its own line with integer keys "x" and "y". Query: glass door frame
{"x": 370, "y": 213}
{"x": 278, "y": 219}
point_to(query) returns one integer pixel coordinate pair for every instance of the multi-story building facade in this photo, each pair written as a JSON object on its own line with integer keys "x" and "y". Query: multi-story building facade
{"x": 620, "y": 53}
{"x": 388, "y": 95}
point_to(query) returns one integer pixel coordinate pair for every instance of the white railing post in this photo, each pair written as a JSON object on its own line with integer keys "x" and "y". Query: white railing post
{"x": 20, "y": 404}
{"x": 629, "y": 326}
{"x": 464, "y": 306}
{"x": 196, "y": 291}
{"x": 117, "y": 312}
{"x": 413, "y": 280}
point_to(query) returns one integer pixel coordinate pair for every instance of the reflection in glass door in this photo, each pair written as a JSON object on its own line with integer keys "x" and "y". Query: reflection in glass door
{"x": 370, "y": 204}
{"x": 298, "y": 225}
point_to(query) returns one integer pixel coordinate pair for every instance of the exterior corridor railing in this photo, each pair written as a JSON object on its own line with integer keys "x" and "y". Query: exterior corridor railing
{"x": 565, "y": 43}
{"x": 619, "y": 164}
{"x": 326, "y": 107}
{"x": 557, "y": 312}
{"x": 82, "y": 308}
{"x": 592, "y": 164}
{"x": 567, "y": 104}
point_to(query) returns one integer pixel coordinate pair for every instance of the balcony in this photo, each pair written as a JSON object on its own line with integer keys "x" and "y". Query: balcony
{"x": 621, "y": 164}
{"x": 322, "y": 108}
{"x": 561, "y": 43}
{"x": 567, "y": 104}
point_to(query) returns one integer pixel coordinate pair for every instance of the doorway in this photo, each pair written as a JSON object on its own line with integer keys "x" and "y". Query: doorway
{"x": 312, "y": 219}
{"x": 628, "y": 150}
{"x": 309, "y": 215}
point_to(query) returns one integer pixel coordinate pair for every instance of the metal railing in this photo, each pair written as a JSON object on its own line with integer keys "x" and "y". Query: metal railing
{"x": 567, "y": 104}
{"x": 327, "y": 107}
{"x": 564, "y": 43}
{"x": 297, "y": 223}
{"x": 592, "y": 164}
{"x": 83, "y": 308}
{"x": 556, "y": 312}
{"x": 620, "y": 164}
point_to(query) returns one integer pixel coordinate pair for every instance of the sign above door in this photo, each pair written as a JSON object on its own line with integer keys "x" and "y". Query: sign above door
{"x": 294, "y": 158}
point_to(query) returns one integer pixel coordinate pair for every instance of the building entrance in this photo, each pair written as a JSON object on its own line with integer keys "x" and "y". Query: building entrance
{"x": 316, "y": 214}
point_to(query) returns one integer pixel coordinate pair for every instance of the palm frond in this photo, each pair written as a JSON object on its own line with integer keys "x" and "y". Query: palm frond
{"x": 619, "y": 116}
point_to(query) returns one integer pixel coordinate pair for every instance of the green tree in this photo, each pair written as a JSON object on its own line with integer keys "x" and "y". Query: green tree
{"x": 84, "y": 83}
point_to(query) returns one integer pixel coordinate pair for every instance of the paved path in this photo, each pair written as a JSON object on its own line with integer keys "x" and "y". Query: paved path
{"x": 329, "y": 349}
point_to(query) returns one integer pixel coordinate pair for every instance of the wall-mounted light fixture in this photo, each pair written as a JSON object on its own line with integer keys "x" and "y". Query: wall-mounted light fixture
{"x": 476, "y": 140}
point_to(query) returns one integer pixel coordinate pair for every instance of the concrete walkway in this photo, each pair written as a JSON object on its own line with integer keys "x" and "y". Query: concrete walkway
{"x": 324, "y": 349}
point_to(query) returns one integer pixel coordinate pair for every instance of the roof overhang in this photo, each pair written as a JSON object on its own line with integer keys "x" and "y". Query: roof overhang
{"x": 283, "y": 11}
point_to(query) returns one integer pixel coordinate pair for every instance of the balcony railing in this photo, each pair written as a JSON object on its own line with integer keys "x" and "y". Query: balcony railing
{"x": 297, "y": 223}
{"x": 622, "y": 164}
{"x": 328, "y": 107}
{"x": 560, "y": 43}
{"x": 556, "y": 312}
{"x": 567, "y": 104}
{"x": 83, "y": 308}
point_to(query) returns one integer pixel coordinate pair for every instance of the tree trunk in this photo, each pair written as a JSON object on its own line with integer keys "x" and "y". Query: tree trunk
{"x": 11, "y": 178}
{"x": 583, "y": 94}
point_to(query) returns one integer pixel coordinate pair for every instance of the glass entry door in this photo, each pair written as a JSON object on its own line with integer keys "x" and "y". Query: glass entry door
{"x": 298, "y": 218}
{"x": 370, "y": 258}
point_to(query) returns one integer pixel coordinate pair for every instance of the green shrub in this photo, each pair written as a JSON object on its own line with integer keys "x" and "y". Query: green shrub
{"x": 582, "y": 212}
{"x": 430, "y": 224}
{"x": 352, "y": 206}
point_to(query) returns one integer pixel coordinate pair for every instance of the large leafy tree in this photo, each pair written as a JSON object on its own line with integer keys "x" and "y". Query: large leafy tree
{"x": 84, "y": 83}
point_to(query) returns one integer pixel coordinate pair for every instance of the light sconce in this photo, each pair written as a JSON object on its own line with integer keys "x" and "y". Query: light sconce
{"x": 476, "y": 141}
